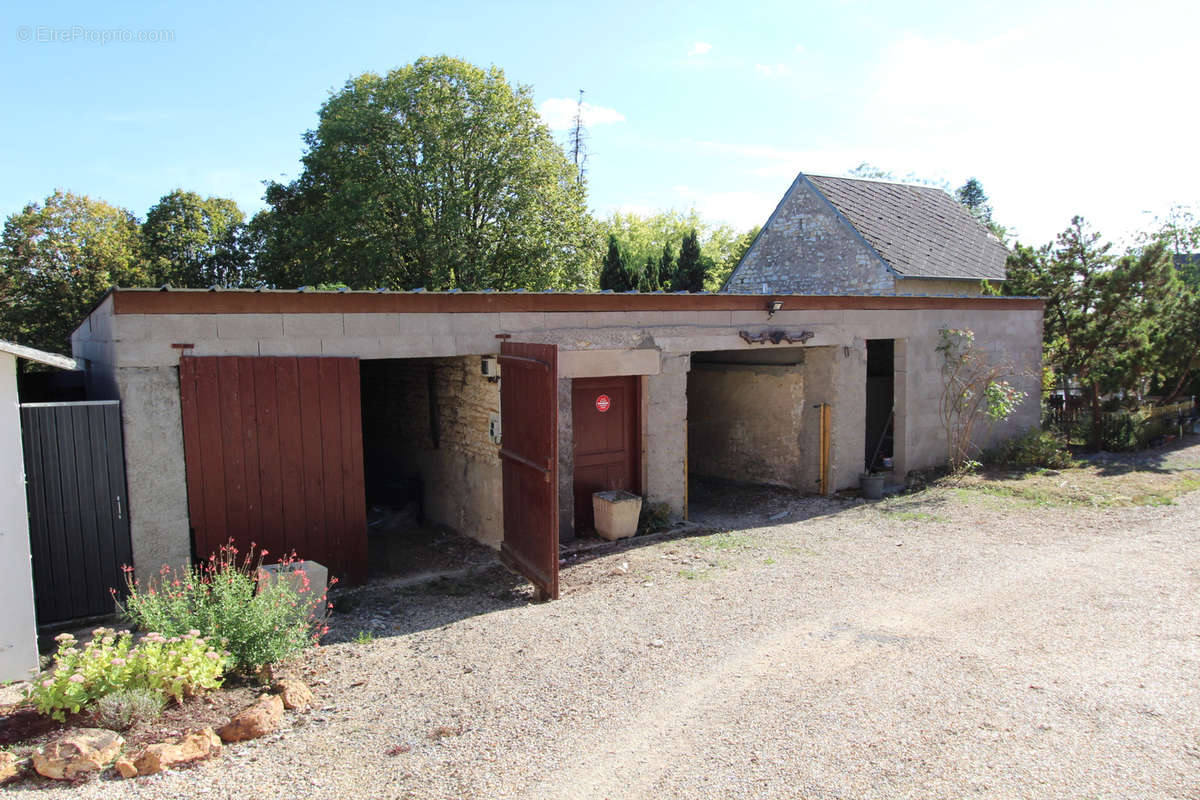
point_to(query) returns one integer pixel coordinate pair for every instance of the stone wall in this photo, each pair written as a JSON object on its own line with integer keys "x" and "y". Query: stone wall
{"x": 745, "y": 422}
{"x": 449, "y": 450}
{"x": 808, "y": 248}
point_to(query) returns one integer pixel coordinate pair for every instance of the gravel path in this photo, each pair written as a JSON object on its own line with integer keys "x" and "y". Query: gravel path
{"x": 952, "y": 644}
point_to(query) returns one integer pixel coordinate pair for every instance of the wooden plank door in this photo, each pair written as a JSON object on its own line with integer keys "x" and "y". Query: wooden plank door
{"x": 273, "y": 449}
{"x": 604, "y": 413}
{"x": 78, "y": 508}
{"x": 529, "y": 457}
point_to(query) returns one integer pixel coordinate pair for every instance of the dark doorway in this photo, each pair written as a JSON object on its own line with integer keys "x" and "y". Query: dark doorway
{"x": 881, "y": 384}
{"x": 78, "y": 508}
{"x": 605, "y": 423}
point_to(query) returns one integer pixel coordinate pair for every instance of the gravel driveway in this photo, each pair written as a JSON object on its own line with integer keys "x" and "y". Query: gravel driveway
{"x": 947, "y": 644}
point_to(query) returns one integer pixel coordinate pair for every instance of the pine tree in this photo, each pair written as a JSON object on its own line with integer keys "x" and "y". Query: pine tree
{"x": 690, "y": 269}
{"x": 649, "y": 280}
{"x": 666, "y": 267}
{"x": 616, "y": 273}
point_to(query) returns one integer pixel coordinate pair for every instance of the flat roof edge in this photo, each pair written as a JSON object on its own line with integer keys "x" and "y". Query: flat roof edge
{"x": 249, "y": 301}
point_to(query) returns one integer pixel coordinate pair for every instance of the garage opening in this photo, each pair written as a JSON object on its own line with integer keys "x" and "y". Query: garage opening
{"x": 881, "y": 393}
{"x": 431, "y": 464}
{"x": 750, "y": 421}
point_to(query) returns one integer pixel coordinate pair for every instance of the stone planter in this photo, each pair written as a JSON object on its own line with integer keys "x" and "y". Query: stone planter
{"x": 616, "y": 513}
{"x": 871, "y": 485}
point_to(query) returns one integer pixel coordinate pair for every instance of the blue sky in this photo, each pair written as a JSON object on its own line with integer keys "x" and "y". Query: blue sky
{"x": 1058, "y": 108}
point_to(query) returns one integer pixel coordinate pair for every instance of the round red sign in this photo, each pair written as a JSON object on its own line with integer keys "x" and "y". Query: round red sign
{"x": 603, "y": 403}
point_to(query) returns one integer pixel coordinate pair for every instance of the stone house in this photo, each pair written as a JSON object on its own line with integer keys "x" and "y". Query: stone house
{"x": 851, "y": 236}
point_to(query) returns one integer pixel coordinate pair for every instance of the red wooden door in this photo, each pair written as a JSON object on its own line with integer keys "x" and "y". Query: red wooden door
{"x": 605, "y": 428}
{"x": 273, "y": 452}
{"x": 529, "y": 456}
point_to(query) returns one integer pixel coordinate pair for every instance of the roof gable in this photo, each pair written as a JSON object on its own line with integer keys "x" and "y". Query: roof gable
{"x": 919, "y": 231}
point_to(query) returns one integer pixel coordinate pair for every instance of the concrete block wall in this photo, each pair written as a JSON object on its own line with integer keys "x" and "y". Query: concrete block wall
{"x": 807, "y": 247}
{"x": 745, "y": 422}
{"x": 666, "y": 434}
{"x": 133, "y": 354}
{"x": 152, "y": 425}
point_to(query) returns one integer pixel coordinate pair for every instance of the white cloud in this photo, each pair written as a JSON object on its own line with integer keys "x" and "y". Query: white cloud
{"x": 1052, "y": 127}
{"x": 559, "y": 114}
{"x": 699, "y": 48}
{"x": 741, "y": 209}
{"x": 773, "y": 71}
{"x": 799, "y": 48}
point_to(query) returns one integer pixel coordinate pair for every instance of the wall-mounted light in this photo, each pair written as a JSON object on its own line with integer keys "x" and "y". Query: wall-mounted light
{"x": 773, "y": 306}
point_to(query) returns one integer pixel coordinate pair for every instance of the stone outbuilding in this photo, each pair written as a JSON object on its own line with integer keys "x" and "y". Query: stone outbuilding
{"x": 277, "y": 416}
{"x": 853, "y": 236}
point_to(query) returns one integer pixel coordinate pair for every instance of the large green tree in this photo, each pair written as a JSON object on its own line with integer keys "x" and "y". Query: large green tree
{"x": 439, "y": 174}
{"x": 1103, "y": 311}
{"x": 1177, "y": 339}
{"x": 56, "y": 260}
{"x": 193, "y": 241}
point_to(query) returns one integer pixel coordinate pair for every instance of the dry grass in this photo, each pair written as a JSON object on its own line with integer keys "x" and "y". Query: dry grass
{"x": 1088, "y": 485}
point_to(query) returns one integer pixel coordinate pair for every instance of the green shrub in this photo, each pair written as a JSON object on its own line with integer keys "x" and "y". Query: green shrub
{"x": 654, "y": 517}
{"x": 175, "y": 667}
{"x": 1032, "y": 450}
{"x": 121, "y": 709}
{"x": 219, "y": 598}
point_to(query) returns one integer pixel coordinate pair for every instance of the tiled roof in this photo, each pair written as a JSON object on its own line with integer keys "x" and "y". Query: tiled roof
{"x": 920, "y": 231}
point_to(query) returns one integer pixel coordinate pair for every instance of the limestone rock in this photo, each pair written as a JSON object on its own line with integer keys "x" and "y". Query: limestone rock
{"x": 85, "y": 750}
{"x": 294, "y": 693}
{"x": 257, "y": 720}
{"x": 9, "y": 767}
{"x": 126, "y": 767}
{"x": 192, "y": 746}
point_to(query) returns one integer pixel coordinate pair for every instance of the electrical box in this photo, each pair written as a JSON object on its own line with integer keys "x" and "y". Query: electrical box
{"x": 490, "y": 367}
{"x": 494, "y": 427}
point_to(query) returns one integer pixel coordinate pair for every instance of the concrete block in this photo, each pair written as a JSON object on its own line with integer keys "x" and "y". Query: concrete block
{"x": 169, "y": 328}
{"x": 601, "y": 363}
{"x": 530, "y": 321}
{"x": 470, "y": 344}
{"x": 223, "y": 347}
{"x": 357, "y": 346}
{"x": 291, "y": 346}
{"x": 314, "y": 325}
{"x": 249, "y": 326}
{"x": 148, "y": 353}
{"x": 368, "y": 325}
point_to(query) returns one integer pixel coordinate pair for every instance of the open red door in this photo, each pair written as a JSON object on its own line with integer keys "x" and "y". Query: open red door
{"x": 529, "y": 455}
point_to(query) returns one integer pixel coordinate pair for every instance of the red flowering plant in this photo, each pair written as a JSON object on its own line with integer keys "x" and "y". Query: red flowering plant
{"x": 259, "y": 618}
